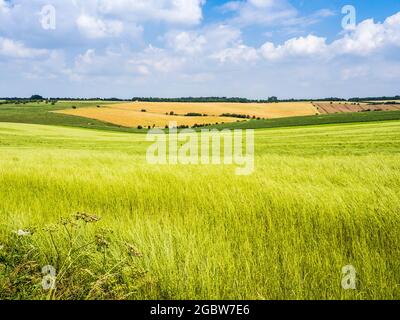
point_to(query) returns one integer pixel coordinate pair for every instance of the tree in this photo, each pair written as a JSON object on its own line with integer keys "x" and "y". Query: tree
{"x": 36, "y": 97}
{"x": 273, "y": 99}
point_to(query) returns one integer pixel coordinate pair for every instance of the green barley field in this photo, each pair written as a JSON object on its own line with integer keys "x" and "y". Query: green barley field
{"x": 112, "y": 226}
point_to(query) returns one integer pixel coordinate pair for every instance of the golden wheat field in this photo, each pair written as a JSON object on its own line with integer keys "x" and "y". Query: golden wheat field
{"x": 131, "y": 118}
{"x": 158, "y": 113}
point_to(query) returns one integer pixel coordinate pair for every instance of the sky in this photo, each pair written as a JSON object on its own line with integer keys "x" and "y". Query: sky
{"x": 179, "y": 48}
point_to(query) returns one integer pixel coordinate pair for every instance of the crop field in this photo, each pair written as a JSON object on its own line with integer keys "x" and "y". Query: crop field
{"x": 262, "y": 110}
{"x": 49, "y": 114}
{"x": 329, "y": 108}
{"x": 115, "y": 227}
{"x": 384, "y": 101}
{"x": 160, "y": 114}
{"x": 131, "y": 118}
{"x": 322, "y": 119}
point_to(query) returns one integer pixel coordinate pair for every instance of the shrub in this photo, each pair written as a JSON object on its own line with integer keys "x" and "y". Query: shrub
{"x": 235, "y": 115}
{"x": 193, "y": 114}
{"x": 72, "y": 259}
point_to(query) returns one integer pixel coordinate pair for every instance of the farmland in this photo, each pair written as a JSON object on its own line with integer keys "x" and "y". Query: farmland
{"x": 131, "y": 118}
{"x": 160, "y": 114}
{"x": 329, "y": 108}
{"x": 321, "y": 197}
{"x": 42, "y": 113}
{"x": 57, "y": 114}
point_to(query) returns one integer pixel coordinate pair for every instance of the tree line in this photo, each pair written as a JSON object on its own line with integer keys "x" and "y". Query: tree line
{"x": 272, "y": 99}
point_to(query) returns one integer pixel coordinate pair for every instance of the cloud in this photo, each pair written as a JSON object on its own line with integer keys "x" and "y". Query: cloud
{"x": 263, "y": 12}
{"x": 16, "y": 49}
{"x": 96, "y": 28}
{"x": 186, "y": 42}
{"x": 121, "y": 62}
{"x": 240, "y": 53}
{"x": 223, "y": 43}
{"x": 354, "y": 72}
{"x": 110, "y": 63}
{"x": 171, "y": 11}
{"x": 296, "y": 47}
{"x": 79, "y": 20}
{"x": 103, "y": 43}
{"x": 156, "y": 60}
{"x": 206, "y": 41}
{"x": 4, "y": 8}
{"x": 369, "y": 37}
{"x": 365, "y": 39}
{"x": 272, "y": 13}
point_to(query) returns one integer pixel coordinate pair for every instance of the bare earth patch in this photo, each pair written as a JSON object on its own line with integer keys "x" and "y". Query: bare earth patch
{"x": 329, "y": 108}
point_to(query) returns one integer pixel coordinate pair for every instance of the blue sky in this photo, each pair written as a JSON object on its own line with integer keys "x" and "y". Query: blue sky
{"x": 171, "y": 48}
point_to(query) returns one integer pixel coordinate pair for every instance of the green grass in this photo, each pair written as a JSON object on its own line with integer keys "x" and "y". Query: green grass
{"x": 320, "y": 198}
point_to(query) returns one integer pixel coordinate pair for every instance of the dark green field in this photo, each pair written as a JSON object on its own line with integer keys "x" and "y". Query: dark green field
{"x": 315, "y": 120}
{"x": 41, "y": 113}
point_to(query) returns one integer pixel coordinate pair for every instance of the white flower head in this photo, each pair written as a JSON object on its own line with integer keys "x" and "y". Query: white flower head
{"x": 22, "y": 233}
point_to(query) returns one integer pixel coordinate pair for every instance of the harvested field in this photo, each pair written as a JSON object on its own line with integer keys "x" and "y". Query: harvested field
{"x": 383, "y": 101}
{"x": 329, "y": 108}
{"x": 262, "y": 110}
{"x": 132, "y": 118}
{"x": 158, "y": 114}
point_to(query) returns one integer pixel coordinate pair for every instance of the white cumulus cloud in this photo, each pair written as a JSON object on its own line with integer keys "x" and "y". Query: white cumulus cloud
{"x": 365, "y": 39}
{"x": 186, "y": 42}
{"x": 16, "y": 49}
{"x": 95, "y": 28}
{"x": 369, "y": 37}
{"x": 239, "y": 53}
{"x": 302, "y": 46}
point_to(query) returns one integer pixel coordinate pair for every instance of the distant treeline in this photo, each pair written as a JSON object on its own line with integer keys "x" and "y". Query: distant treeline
{"x": 40, "y": 98}
{"x": 204, "y": 99}
{"x": 375, "y": 99}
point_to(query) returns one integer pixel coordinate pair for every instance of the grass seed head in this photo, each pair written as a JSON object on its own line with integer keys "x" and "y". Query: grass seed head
{"x": 86, "y": 217}
{"x": 133, "y": 251}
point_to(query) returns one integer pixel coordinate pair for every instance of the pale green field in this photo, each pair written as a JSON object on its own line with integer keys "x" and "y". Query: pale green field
{"x": 321, "y": 198}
